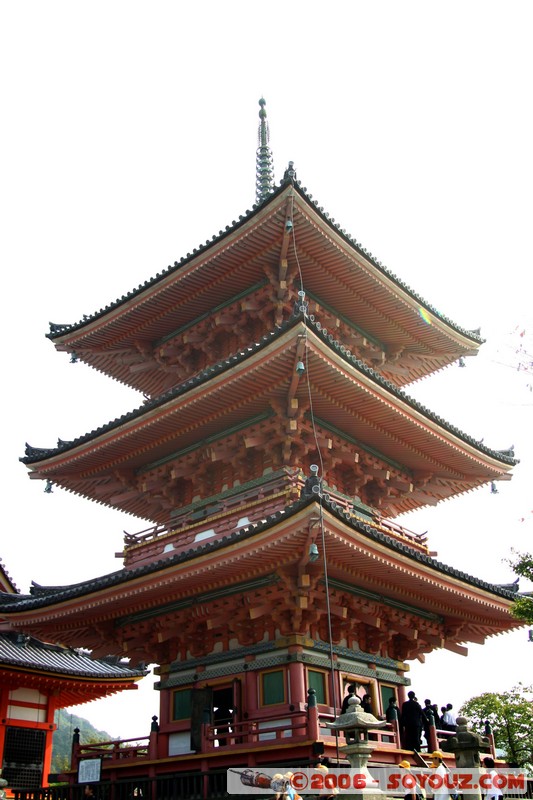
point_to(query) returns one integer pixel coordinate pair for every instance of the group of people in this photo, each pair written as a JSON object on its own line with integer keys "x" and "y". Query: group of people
{"x": 416, "y": 792}
{"x": 366, "y": 700}
{"x": 415, "y": 720}
{"x": 444, "y": 792}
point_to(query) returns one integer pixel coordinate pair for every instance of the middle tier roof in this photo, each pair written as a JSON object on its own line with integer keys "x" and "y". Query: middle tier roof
{"x": 336, "y": 394}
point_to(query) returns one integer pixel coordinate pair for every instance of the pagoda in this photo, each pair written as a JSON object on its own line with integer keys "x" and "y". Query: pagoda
{"x": 274, "y": 450}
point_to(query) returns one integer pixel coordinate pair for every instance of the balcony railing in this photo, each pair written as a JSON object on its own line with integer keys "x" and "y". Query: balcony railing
{"x": 235, "y": 508}
{"x": 294, "y": 726}
{"x": 116, "y": 750}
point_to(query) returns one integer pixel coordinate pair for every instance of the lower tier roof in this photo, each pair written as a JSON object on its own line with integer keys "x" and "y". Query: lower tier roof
{"x": 260, "y": 578}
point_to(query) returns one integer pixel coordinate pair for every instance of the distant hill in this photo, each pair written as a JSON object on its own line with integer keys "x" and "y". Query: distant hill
{"x": 62, "y": 740}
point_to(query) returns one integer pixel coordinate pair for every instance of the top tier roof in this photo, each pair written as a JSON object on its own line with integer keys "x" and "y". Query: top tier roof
{"x": 284, "y": 244}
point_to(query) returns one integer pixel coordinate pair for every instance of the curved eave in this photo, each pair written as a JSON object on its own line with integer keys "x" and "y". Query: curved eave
{"x": 346, "y": 395}
{"x": 335, "y": 268}
{"x": 92, "y": 682}
{"x": 359, "y": 557}
{"x": 67, "y": 691}
{"x": 24, "y": 652}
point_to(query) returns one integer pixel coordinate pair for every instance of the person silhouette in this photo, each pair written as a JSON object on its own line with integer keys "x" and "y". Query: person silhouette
{"x": 411, "y": 722}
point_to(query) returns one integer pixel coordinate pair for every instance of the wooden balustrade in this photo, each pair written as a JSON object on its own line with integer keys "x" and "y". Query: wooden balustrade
{"x": 293, "y": 726}
{"x": 290, "y": 727}
{"x": 113, "y": 750}
{"x": 181, "y": 533}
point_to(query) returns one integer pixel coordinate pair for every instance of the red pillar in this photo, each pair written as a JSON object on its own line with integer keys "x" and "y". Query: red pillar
{"x": 297, "y": 689}
{"x": 3, "y": 716}
{"x": 47, "y": 760}
{"x": 154, "y": 739}
{"x": 312, "y": 717}
{"x": 251, "y": 700}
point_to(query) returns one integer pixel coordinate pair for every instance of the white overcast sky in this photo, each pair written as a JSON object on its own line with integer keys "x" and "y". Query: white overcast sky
{"x": 128, "y": 138}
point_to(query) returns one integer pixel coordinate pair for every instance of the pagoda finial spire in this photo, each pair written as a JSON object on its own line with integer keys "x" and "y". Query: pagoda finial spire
{"x": 264, "y": 173}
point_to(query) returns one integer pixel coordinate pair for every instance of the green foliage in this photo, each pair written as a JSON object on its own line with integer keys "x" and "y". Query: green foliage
{"x": 511, "y": 717}
{"x": 522, "y": 565}
{"x": 62, "y": 741}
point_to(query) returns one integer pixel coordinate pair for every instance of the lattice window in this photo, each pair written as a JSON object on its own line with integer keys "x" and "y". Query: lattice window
{"x": 317, "y": 680}
{"x": 23, "y": 758}
{"x": 273, "y": 687}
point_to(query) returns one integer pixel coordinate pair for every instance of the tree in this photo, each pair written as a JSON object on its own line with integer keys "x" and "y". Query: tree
{"x": 62, "y": 739}
{"x": 510, "y": 715}
{"x": 522, "y": 565}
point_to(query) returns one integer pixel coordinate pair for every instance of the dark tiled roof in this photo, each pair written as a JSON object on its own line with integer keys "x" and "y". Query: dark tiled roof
{"x": 34, "y": 454}
{"x": 57, "y": 330}
{"x": 5, "y": 578}
{"x": 46, "y": 596}
{"x": 21, "y": 651}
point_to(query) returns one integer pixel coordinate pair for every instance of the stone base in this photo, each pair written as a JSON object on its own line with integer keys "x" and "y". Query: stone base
{"x": 358, "y": 754}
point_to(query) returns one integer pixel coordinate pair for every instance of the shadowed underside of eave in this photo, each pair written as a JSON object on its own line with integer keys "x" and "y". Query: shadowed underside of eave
{"x": 66, "y": 692}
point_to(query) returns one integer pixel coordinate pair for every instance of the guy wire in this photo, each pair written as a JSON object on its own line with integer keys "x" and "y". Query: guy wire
{"x": 321, "y": 512}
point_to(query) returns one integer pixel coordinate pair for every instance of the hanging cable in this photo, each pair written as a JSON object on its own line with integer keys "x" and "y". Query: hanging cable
{"x": 308, "y": 383}
{"x": 328, "y": 612}
{"x": 319, "y": 496}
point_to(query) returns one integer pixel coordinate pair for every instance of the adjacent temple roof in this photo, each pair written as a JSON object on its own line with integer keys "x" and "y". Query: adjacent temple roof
{"x": 73, "y": 673}
{"x": 17, "y": 649}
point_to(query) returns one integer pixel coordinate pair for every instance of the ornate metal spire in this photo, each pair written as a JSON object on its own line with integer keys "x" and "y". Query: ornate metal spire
{"x": 264, "y": 172}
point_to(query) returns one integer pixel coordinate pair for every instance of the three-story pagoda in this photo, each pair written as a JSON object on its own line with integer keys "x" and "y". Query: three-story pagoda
{"x": 274, "y": 450}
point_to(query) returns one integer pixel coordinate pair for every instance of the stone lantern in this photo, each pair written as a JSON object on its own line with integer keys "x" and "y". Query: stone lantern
{"x": 355, "y": 724}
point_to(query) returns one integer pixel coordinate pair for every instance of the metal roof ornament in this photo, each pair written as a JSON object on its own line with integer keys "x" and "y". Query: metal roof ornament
{"x": 264, "y": 173}
{"x": 290, "y": 172}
